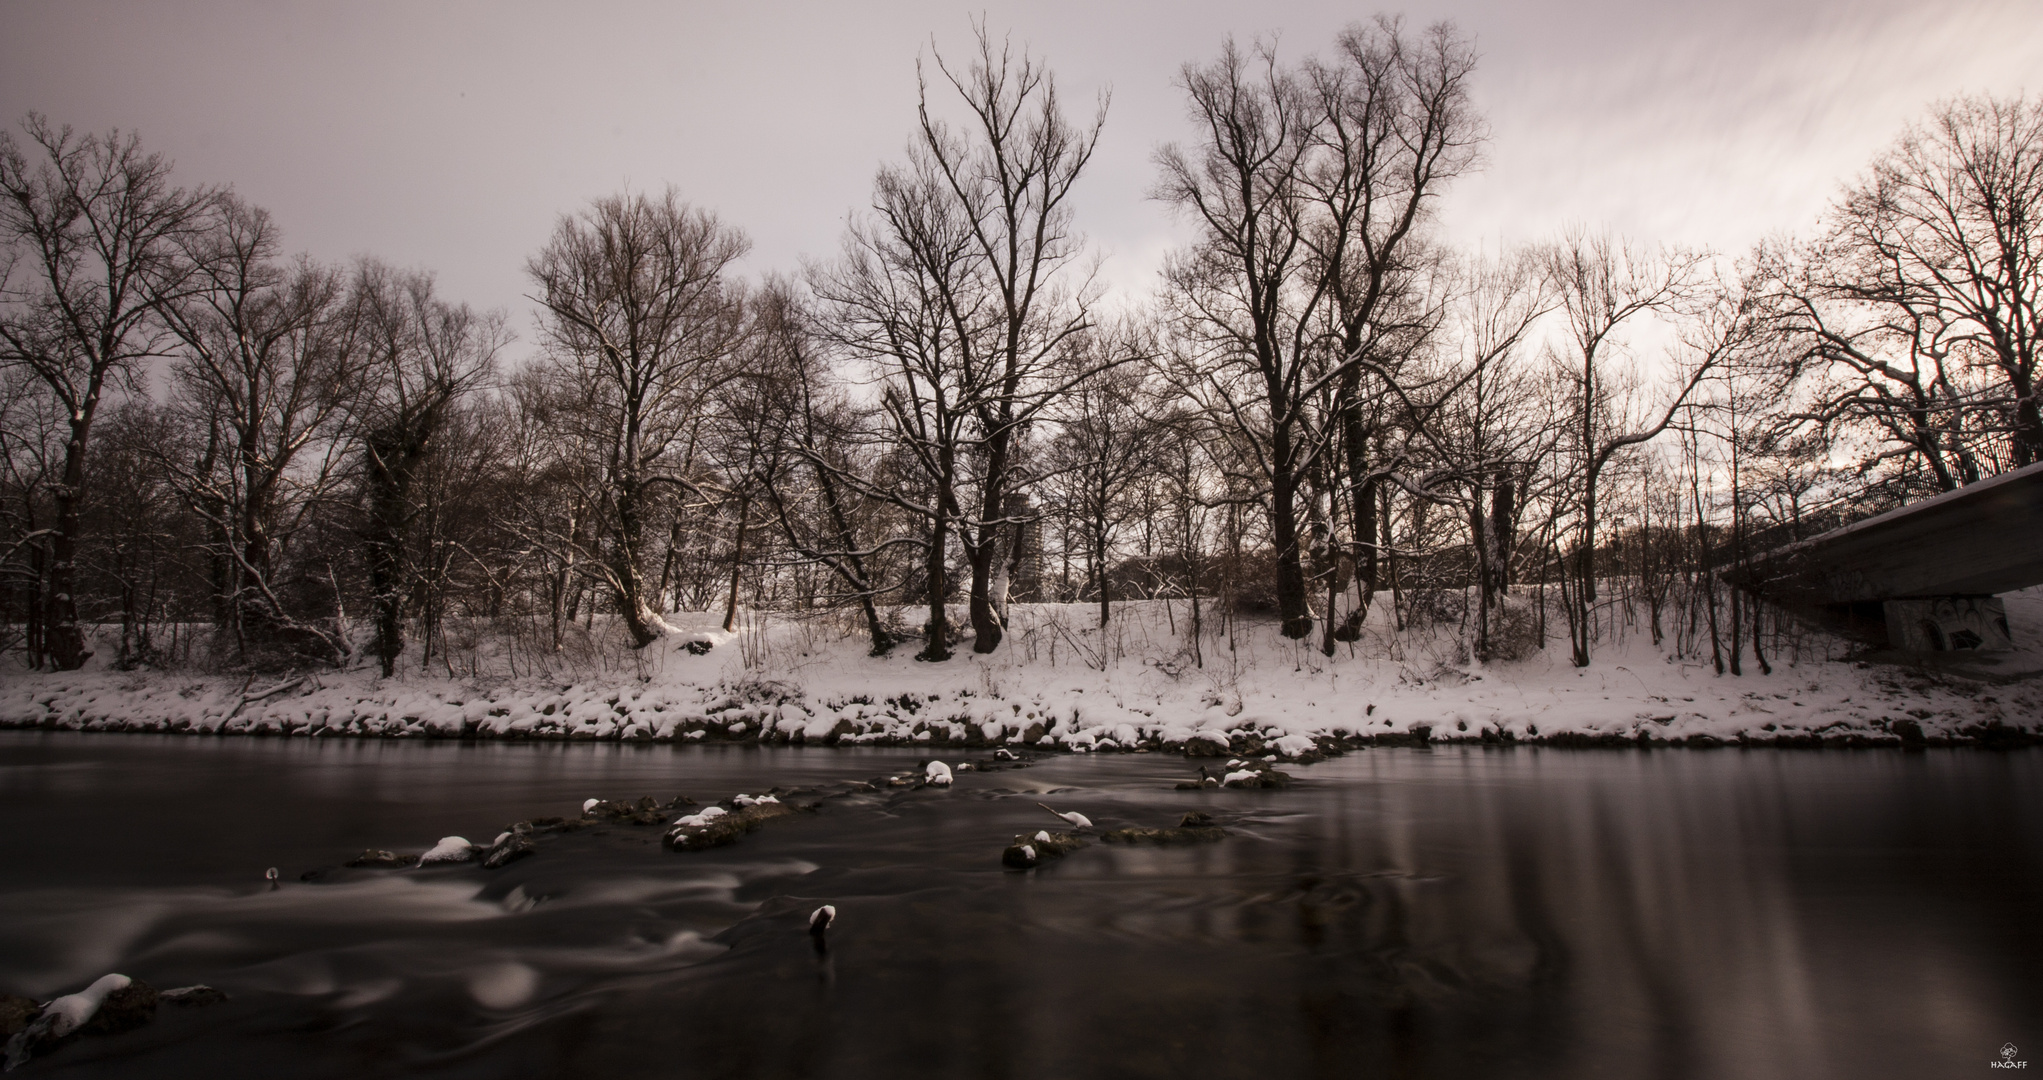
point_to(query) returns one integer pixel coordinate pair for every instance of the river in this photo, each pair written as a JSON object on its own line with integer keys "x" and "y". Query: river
{"x": 1446, "y": 912}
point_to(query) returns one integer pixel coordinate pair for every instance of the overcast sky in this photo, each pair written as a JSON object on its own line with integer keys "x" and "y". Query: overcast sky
{"x": 450, "y": 136}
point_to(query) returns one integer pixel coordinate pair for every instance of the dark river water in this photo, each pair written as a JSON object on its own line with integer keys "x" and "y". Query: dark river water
{"x": 1515, "y": 912}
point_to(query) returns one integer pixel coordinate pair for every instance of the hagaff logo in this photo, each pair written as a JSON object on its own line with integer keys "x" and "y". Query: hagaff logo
{"x": 2007, "y": 1058}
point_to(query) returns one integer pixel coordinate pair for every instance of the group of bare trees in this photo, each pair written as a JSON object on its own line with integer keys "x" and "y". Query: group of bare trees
{"x": 255, "y": 459}
{"x": 250, "y": 390}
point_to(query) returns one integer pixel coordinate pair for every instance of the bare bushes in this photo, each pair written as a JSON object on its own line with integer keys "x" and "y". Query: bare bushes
{"x": 1514, "y": 630}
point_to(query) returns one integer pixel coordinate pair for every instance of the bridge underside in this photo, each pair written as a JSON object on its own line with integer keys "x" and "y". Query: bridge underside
{"x": 1933, "y": 566}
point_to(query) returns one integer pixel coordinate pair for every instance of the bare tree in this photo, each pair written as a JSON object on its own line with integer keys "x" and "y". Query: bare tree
{"x": 816, "y": 431}
{"x": 961, "y": 289}
{"x": 557, "y": 472}
{"x": 1496, "y": 431}
{"x": 266, "y": 360}
{"x": 1921, "y": 309}
{"x": 1604, "y": 287}
{"x": 91, "y": 227}
{"x": 886, "y": 295}
{"x": 1102, "y": 454}
{"x": 640, "y": 314}
{"x": 421, "y": 355}
{"x": 1395, "y": 126}
{"x": 32, "y": 432}
{"x": 1245, "y": 295}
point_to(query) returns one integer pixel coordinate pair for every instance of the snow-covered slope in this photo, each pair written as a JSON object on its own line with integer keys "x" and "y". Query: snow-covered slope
{"x": 1059, "y": 682}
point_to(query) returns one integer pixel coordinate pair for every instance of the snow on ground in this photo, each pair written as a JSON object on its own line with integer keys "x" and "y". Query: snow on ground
{"x": 1059, "y": 682}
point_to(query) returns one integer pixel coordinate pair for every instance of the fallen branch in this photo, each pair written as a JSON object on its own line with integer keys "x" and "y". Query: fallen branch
{"x": 248, "y": 699}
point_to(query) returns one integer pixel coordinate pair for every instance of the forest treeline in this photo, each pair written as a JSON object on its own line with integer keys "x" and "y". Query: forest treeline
{"x": 215, "y": 452}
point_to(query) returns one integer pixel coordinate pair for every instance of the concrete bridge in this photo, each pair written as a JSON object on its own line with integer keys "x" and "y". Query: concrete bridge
{"x": 1931, "y": 567}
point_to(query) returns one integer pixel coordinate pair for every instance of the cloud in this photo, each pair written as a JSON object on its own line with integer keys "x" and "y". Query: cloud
{"x": 450, "y": 136}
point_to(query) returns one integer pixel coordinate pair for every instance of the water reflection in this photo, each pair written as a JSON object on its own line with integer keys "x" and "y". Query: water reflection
{"x": 1517, "y": 912}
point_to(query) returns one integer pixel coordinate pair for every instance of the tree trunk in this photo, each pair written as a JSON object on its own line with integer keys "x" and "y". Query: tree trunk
{"x": 986, "y": 629}
{"x": 737, "y": 563}
{"x": 936, "y": 646}
{"x": 986, "y": 624}
{"x": 388, "y": 484}
{"x": 1361, "y": 491}
{"x": 998, "y": 589}
{"x": 63, "y": 641}
{"x": 1503, "y": 525}
{"x": 1583, "y": 602}
{"x": 1099, "y": 549}
{"x": 1292, "y": 606}
{"x": 257, "y": 616}
{"x": 639, "y": 619}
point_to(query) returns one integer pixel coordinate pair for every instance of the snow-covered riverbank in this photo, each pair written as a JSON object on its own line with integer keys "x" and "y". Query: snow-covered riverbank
{"x": 1058, "y": 684}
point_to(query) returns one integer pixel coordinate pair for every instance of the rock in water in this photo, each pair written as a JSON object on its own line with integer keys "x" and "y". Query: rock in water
{"x": 374, "y": 858}
{"x": 508, "y": 849}
{"x": 112, "y": 1004}
{"x": 938, "y": 774}
{"x": 450, "y": 849}
{"x": 1255, "y": 774}
{"x": 1196, "y": 827}
{"x": 15, "y": 1013}
{"x": 125, "y": 1009}
{"x": 708, "y": 829}
{"x": 70, "y": 1012}
{"x": 646, "y": 811}
{"x": 701, "y": 817}
{"x": 820, "y": 920}
{"x": 1183, "y": 834}
{"x": 1027, "y": 851}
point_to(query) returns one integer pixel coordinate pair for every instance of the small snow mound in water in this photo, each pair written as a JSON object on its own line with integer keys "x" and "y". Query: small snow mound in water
{"x": 450, "y": 849}
{"x": 747, "y": 800}
{"x": 1043, "y": 836}
{"x": 709, "y": 814}
{"x": 1244, "y": 774}
{"x": 590, "y": 804}
{"x": 938, "y": 773}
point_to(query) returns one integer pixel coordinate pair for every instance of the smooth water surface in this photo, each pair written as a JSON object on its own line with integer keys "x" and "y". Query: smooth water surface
{"x": 1516, "y": 912}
